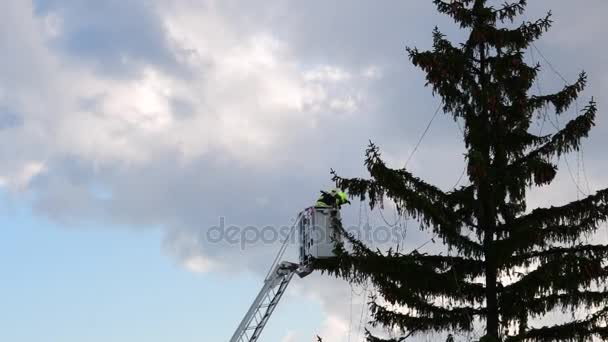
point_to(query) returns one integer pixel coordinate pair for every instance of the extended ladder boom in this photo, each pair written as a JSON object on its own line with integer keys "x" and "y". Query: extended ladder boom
{"x": 264, "y": 304}
{"x": 316, "y": 239}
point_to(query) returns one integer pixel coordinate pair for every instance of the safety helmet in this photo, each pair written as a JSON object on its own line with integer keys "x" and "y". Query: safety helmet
{"x": 334, "y": 192}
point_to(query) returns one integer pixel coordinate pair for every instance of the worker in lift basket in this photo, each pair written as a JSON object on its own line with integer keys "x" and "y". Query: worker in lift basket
{"x": 334, "y": 198}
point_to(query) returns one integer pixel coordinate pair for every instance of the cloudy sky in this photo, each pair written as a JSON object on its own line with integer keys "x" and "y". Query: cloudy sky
{"x": 129, "y": 128}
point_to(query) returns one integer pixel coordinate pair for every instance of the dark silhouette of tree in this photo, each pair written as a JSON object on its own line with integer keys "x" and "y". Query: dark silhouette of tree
{"x": 510, "y": 265}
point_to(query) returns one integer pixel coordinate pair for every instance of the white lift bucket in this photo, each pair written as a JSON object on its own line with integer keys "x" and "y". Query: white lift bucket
{"x": 317, "y": 238}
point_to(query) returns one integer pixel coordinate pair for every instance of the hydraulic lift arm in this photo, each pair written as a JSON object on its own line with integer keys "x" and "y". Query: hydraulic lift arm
{"x": 315, "y": 241}
{"x": 264, "y": 304}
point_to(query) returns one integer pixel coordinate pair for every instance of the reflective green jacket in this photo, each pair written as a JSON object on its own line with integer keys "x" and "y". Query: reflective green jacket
{"x": 330, "y": 200}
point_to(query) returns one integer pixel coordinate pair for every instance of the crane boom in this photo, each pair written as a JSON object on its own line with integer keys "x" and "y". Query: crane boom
{"x": 264, "y": 304}
{"x": 317, "y": 240}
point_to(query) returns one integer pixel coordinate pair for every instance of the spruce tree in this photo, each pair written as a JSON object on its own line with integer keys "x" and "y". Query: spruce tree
{"x": 509, "y": 265}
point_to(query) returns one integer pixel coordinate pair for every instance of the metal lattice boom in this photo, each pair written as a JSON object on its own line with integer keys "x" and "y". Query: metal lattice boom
{"x": 264, "y": 304}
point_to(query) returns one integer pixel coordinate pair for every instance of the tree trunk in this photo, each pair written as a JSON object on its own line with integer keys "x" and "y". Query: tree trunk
{"x": 487, "y": 207}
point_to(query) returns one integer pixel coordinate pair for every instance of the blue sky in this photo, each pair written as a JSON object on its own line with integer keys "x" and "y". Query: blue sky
{"x": 128, "y": 128}
{"x": 93, "y": 285}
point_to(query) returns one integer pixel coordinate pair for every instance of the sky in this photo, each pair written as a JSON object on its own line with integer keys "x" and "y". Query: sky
{"x": 130, "y": 129}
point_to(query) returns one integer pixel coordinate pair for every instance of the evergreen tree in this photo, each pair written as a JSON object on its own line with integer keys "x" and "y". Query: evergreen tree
{"x": 508, "y": 265}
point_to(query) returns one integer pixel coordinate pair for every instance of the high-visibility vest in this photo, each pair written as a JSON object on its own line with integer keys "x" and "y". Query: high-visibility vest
{"x": 329, "y": 200}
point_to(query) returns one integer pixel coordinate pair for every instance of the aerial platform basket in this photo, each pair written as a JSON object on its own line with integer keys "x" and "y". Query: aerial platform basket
{"x": 317, "y": 236}
{"x": 317, "y": 239}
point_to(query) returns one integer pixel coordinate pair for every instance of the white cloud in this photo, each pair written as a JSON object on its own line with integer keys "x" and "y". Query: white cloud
{"x": 246, "y": 92}
{"x": 198, "y": 264}
{"x": 185, "y": 247}
{"x": 347, "y": 104}
{"x": 373, "y": 72}
{"x": 327, "y": 73}
{"x": 53, "y": 25}
{"x": 19, "y": 179}
{"x": 335, "y": 328}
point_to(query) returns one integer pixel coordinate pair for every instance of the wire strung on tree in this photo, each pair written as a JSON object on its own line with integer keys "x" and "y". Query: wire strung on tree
{"x": 428, "y": 126}
{"x": 549, "y": 63}
{"x": 361, "y": 205}
{"x": 464, "y": 171}
{"x": 556, "y": 124}
{"x": 585, "y": 172}
{"x": 410, "y": 157}
{"x": 399, "y": 219}
{"x": 458, "y": 287}
{"x": 403, "y": 230}
{"x": 350, "y": 315}
{"x": 393, "y": 225}
{"x": 561, "y": 76}
{"x": 543, "y": 114}
{"x": 363, "y": 309}
{"x": 435, "y": 235}
{"x": 366, "y": 288}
